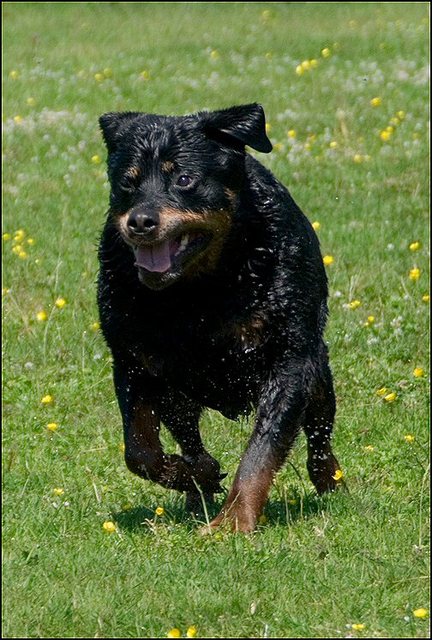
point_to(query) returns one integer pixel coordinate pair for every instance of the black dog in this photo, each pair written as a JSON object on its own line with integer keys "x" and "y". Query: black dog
{"x": 212, "y": 293}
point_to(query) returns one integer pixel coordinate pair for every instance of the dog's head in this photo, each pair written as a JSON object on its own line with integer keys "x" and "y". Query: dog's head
{"x": 175, "y": 183}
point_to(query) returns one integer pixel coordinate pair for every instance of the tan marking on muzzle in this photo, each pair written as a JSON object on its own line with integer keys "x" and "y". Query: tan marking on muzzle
{"x": 167, "y": 166}
{"x": 216, "y": 224}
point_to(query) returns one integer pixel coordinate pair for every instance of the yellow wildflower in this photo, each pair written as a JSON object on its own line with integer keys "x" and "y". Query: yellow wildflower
{"x": 358, "y": 158}
{"x": 328, "y": 260}
{"x": 52, "y": 426}
{"x": 191, "y": 632}
{"x": 420, "y": 613}
{"x": 47, "y": 399}
{"x": 316, "y": 225}
{"x": 96, "y": 159}
{"x": 306, "y": 65}
{"x": 95, "y": 326}
{"x": 369, "y": 448}
{"x": 326, "y": 53}
{"x": 385, "y": 135}
{"x": 109, "y": 526}
{"x": 414, "y": 274}
{"x": 107, "y": 72}
{"x": 215, "y": 55}
{"x": 159, "y": 511}
{"x": 358, "y": 627}
{"x": 426, "y": 297}
{"x": 6, "y": 236}
{"x": 333, "y": 144}
{"x": 19, "y": 235}
{"x": 5, "y": 291}
{"x": 99, "y": 77}
{"x": 14, "y": 75}
{"x": 338, "y": 475}
{"x": 268, "y": 127}
{"x": 174, "y": 633}
{"x": 58, "y": 491}
{"x": 418, "y": 372}
{"x": 401, "y": 115}
{"x": 354, "y": 304}
{"x": 409, "y": 438}
{"x": 390, "y": 397}
{"x": 394, "y": 121}
{"x": 299, "y": 70}
{"x": 30, "y": 241}
{"x": 18, "y": 119}
{"x": 42, "y": 316}
{"x": 292, "y": 133}
{"x": 145, "y": 75}
{"x": 381, "y": 392}
{"x": 313, "y": 63}
{"x": 31, "y": 102}
{"x": 376, "y": 102}
{"x": 414, "y": 246}
{"x": 60, "y": 303}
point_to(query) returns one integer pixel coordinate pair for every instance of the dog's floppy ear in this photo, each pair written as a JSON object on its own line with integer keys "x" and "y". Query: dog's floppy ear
{"x": 112, "y": 125}
{"x": 238, "y": 126}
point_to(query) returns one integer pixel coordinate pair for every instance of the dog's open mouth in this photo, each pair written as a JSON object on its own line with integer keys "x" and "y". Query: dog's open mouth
{"x": 160, "y": 257}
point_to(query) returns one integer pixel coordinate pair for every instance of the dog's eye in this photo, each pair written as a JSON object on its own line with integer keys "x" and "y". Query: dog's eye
{"x": 184, "y": 181}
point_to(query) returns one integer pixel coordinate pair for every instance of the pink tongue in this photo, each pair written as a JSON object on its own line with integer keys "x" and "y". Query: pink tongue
{"x": 154, "y": 258}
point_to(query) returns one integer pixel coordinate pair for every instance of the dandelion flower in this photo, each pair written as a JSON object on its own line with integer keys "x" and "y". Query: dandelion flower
{"x": 418, "y": 372}
{"x": 328, "y": 260}
{"x": 305, "y": 65}
{"x": 333, "y": 144}
{"x": 159, "y": 511}
{"x": 292, "y": 133}
{"x": 41, "y": 316}
{"x": 30, "y": 241}
{"x": 174, "y": 633}
{"x": 381, "y": 392}
{"x": 52, "y": 426}
{"x": 316, "y": 225}
{"x": 22, "y": 254}
{"x": 369, "y": 448}
{"x": 313, "y": 63}
{"x": 191, "y": 632}
{"x": 414, "y": 246}
{"x": 376, "y": 102}
{"x": 107, "y": 72}
{"x": 109, "y": 526}
{"x": 299, "y": 70}
{"x": 58, "y": 491}
{"x": 354, "y": 304}
{"x": 390, "y": 397}
{"x": 60, "y": 303}
{"x": 414, "y": 274}
{"x": 358, "y": 627}
{"x": 326, "y": 53}
{"x": 18, "y": 119}
{"x": 6, "y": 236}
{"x": 95, "y": 326}
{"x": 96, "y": 159}
{"x": 371, "y": 319}
{"x": 99, "y": 77}
{"x": 214, "y": 55}
{"x": 268, "y": 127}
{"x": 426, "y": 297}
{"x": 357, "y": 158}
{"x": 409, "y": 438}
{"x": 14, "y": 75}
{"x": 19, "y": 235}
{"x": 385, "y": 135}
{"x": 47, "y": 399}
{"x": 31, "y": 102}
{"x": 420, "y": 613}
{"x": 401, "y": 115}
{"x": 5, "y": 291}
{"x": 338, "y": 475}
{"x": 145, "y": 75}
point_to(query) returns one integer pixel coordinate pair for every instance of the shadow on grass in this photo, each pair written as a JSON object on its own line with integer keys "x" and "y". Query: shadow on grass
{"x": 277, "y": 512}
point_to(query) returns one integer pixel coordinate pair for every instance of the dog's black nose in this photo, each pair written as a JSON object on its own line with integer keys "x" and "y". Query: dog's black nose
{"x": 142, "y": 223}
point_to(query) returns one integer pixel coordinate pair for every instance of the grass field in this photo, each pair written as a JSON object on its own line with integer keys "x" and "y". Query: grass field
{"x": 345, "y": 90}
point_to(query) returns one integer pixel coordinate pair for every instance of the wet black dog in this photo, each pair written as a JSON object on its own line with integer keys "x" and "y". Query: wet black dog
{"x": 212, "y": 293}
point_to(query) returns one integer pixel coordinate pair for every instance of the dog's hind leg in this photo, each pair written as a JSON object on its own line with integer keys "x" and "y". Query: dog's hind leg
{"x": 181, "y": 416}
{"x": 318, "y": 424}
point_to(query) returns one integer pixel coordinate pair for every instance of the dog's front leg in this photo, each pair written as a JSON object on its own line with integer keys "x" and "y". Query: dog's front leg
{"x": 139, "y": 397}
{"x": 278, "y": 420}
